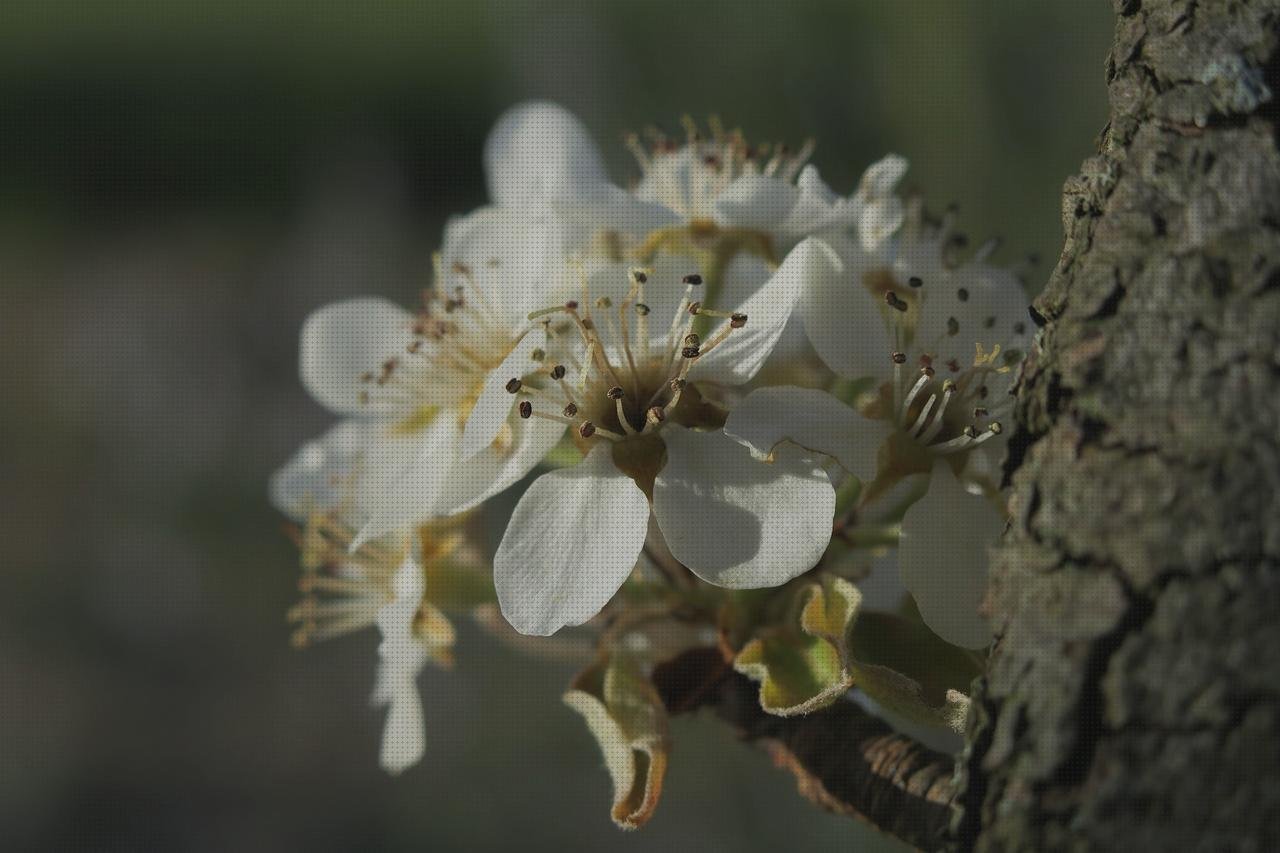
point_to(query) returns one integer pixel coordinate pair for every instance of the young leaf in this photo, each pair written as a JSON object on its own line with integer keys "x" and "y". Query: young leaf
{"x": 627, "y": 718}
{"x": 839, "y": 649}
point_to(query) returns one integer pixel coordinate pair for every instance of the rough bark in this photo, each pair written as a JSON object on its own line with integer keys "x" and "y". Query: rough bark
{"x": 1133, "y": 698}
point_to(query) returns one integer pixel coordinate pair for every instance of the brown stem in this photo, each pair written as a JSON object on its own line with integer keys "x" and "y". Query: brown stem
{"x": 844, "y": 759}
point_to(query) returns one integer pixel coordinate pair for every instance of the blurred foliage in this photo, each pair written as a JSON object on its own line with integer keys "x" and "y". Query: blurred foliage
{"x": 181, "y": 182}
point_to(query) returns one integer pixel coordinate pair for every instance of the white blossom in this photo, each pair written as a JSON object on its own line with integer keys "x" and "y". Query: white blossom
{"x": 639, "y": 391}
{"x": 941, "y": 338}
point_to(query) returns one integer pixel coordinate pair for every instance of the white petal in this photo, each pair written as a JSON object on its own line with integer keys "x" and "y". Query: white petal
{"x": 818, "y": 208}
{"x": 400, "y": 494}
{"x": 510, "y": 262}
{"x": 744, "y": 352}
{"x": 343, "y": 341}
{"x": 571, "y": 542}
{"x": 539, "y": 152}
{"x": 395, "y": 618}
{"x": 609, "y": 208}
{"x": 879, "y": 220}
{"x": 493, "y": 406}
{"x": 880, "y": 178}
{"x": 413, "y": 478}
{"x": 812, "y": 419}
{"x": 943, "y": 558}
{"x": 736, "y": 522}
{"x": 754, "y": 200}
{"x": 319, "y": 476}
{"x": 842, "y": 318}
{"x": 494, "y": 469}
{"x": 403, "y": 736}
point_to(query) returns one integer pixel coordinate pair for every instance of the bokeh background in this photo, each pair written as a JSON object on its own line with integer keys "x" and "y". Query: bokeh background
{"x": 181, "y": 182}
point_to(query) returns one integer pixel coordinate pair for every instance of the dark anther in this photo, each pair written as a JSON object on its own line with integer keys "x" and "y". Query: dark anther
{"x": 694, "y": 279}
{"x": 915, "y": 281}
{"x": 899, "y": 358}
{"x": 695, "y": 307}
{"x": 895, "y": 301}
{"x": 641, "y": 276}
{"x": 572, "y": 305}
{"x": 1036, "y": 317}
{"x": 570, "y": 410}
{"x": 692, "y": 340}
{"x": 642, "y": 309}
{"x": 689, "y": 352}
{"x": 737, "y": 321}
{"x": 677, "y": 384}
{"x": 963, "y": 294}
{"x": 615, "y": 393}
{"x": 514, "y": 385}
{"x": 526, "y": 409}
{"x": 538, "y": 354}
{"x": 587, "y": 429}
{"x": 953, "y": 326}
{"x": 557, "y": 372}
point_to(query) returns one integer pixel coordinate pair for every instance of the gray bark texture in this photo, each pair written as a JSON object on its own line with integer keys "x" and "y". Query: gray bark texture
{"x": 1133, "y": 697}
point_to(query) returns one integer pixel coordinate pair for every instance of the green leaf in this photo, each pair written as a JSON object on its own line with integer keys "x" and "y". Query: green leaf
{"x": 895, "y": 661}
{"x": 627, "y": 718}
{"x": 796, "y": 676}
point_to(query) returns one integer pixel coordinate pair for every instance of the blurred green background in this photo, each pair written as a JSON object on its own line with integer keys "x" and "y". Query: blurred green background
{"x": 181, "y": 182}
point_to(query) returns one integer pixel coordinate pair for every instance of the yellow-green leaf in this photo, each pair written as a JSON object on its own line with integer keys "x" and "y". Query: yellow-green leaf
{"x": 626, "y": 716}
{"x": 896, "y": 662}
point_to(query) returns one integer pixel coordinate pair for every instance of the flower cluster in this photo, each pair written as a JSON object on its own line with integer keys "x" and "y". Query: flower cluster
{"x": 624, "y": 344}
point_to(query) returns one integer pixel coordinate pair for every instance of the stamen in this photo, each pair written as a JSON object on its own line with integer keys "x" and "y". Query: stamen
{"x": 526, "y": 409}
{"x": 948, "y": 391}
{"x": 967, "y": 441}
{"x": 736, "y": 321}
{"x": 899, "y": 359}
{"x": 677, "y": 385}
{"x": 616, "y": 394}
{"x": 911, "y": 396}
{"x": 923, "y": 417}
{"x": 587, "y": 429}
{"x": 514, "y": 385}
{"x": 637, "y": 150}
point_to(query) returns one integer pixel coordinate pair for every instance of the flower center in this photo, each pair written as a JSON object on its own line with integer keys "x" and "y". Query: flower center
{"x": 457, "y": 339}
{"x": 688, "y": 178}
{"x": 631, "y": 378}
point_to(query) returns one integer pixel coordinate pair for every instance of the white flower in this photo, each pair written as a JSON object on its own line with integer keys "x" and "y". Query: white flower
{"x": 719, "y": 184}
{"x": 641, "y": 392}
{"x": 413, "y": 633}
{"x": 941, "y": 339}
{"x": 379, "y": 583}
{"x": 422, "y": 386}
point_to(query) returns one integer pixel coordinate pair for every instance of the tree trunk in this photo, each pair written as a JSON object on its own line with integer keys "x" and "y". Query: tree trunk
{"x": 1133, "y": 699}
